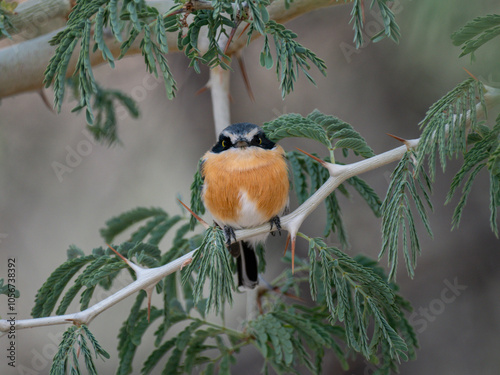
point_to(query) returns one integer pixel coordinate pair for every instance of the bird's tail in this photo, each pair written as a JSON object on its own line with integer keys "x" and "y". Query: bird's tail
{"x": 246, "y": 262}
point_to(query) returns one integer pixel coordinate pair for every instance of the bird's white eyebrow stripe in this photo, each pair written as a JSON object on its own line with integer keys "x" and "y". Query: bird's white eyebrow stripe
{"x": 234, "y": 136}
{"x": 252, "y": 133}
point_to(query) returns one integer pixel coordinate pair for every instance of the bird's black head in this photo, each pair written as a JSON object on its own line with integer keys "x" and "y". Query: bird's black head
{"x": 242, "y": 135}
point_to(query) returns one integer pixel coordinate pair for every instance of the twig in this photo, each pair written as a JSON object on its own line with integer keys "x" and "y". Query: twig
{"x": 144, "y": 280}
{"x": 219, "y": 87}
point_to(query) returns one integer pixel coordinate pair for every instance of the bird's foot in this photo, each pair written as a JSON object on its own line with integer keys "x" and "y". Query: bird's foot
{"x": 275, "y": 222}
{"x": 233, "y": 248}
{"x": 229, "y": 234}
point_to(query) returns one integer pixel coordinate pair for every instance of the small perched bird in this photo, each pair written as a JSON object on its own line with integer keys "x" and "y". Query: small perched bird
{"x": 245, "y": 184}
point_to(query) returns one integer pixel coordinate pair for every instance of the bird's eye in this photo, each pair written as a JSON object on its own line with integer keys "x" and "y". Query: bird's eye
{"x": 256, "y": 141}
{"x": 224, "y": 144}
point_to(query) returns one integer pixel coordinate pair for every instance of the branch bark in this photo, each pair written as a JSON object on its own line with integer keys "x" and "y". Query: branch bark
{"x": 22, "y": 65}
{"x": 36, "y": 17}
{"x": 145, "y": 278}
{"x": 219, "y": 87}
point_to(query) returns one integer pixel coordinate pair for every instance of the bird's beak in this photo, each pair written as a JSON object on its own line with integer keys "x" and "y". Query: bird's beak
{"x": 241, "y": 144}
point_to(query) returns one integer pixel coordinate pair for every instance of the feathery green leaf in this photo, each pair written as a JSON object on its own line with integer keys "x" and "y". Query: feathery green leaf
{"x": 105, "y": 125}
{"x": 80, "y": 281}
{"x": 385, "y": 16}
{"x": 357, "y": 16}
{"x": 397, "y": 214}
{"x": 156, "y": 355}
{"x": 196, "y": 202}
{"x": 367, "y": 193}
{"x": 361, "y": 293}
{"x": 74, "y": 341}
{"x": 294, "y": 125}
{"x": 47, "y": 295}
{"x": 485, "y": 152}
{"x": 348, "y": 138}
{"x": 120, "y": 223}
{"x": 8, "y": 289}
{"x": 447, "y": 123}
{"x": 292, "y": 57}
{"x": 212, "y": 260}
{"x": 391, "y": 28}
{"x": 475, "y": 33}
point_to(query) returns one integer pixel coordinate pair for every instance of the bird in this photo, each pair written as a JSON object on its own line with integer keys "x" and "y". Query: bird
{"x": 245, "y": 184}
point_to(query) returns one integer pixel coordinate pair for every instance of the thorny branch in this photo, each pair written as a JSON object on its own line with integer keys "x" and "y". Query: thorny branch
{"x": 146, "y": 278}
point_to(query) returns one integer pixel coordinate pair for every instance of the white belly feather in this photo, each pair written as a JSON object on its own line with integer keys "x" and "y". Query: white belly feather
{"x": 248, "y": 215}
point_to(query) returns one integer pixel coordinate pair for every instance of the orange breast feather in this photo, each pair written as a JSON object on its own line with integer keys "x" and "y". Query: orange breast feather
{"x": 260, "y": 174}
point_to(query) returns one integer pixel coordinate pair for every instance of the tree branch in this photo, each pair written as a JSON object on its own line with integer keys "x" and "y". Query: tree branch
{"x": 338, "y": 175}
{"x": 36, "y": 17}
{"x": 219, "y": 87}
{"x": 22, "y": 64}
{"x": 146, "y": 278}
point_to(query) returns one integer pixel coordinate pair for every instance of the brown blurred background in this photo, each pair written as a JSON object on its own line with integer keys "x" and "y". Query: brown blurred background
{"x": 381, "y": 88}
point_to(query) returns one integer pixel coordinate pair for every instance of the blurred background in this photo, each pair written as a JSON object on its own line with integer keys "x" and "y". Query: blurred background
{"x": 380, "y": 88}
